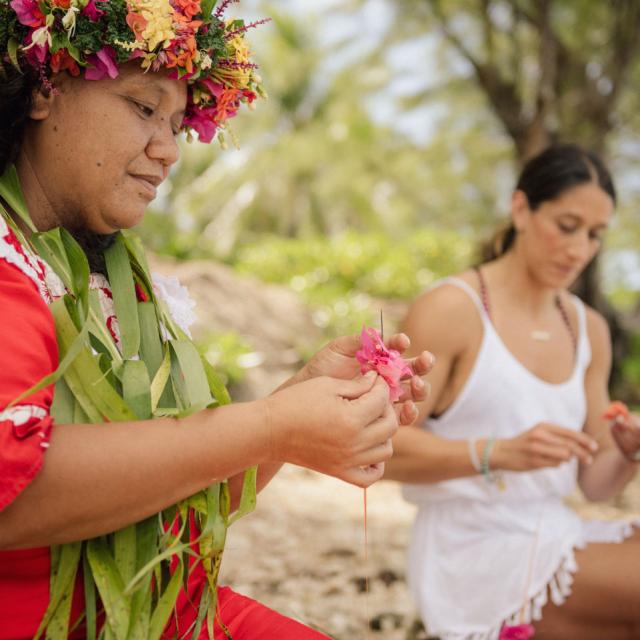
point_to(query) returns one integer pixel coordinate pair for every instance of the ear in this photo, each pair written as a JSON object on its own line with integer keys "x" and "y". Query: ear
{"x": 520, "y": 210}
{"x": 42, "y": 101}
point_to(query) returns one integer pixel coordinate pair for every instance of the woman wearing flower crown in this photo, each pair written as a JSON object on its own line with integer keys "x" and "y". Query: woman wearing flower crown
{"x": 116, "y": 490}
{"x": 514, "y": 418}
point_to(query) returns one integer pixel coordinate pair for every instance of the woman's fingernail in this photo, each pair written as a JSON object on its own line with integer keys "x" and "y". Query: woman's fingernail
{"x": 593, "y": 445}
{"x": 418, "y": 382}
{"x": 370, "y": 375}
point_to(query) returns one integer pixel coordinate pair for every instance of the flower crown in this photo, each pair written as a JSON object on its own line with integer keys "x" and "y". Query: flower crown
{"x": 93, "y": 37}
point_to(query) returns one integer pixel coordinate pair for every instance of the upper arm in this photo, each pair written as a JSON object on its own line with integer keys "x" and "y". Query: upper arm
{"x": 597, "y": 377}
{"x": 440, "y": 321}
{"x": 28, "y": 353}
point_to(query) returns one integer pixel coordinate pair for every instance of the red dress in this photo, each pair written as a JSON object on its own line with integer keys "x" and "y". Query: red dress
{"x": 28, "y": 352}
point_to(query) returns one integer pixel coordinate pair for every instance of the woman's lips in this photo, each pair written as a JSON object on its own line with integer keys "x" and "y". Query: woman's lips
{"x": 149, "y": 183}
{"x": 565, "y": 271}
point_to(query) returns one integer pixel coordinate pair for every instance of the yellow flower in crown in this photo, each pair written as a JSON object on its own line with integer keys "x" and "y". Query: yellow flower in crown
{"x": 158, "y": 19}
{"x": 242, "y": 55}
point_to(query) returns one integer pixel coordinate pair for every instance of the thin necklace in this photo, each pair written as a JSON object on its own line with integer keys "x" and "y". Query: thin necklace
{"x": 542, "y": 336}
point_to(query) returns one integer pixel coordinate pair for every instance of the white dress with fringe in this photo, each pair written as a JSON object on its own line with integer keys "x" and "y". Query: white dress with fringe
{"x": 480, "y": 556}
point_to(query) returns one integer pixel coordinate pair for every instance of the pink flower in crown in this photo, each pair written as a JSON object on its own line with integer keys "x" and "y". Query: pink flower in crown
{"x": 517, "y": 632}
{"x": 92, "y": 11}
{"x": 374, "y": 356}
{"x": 103, "y": 64}
{"x": 202, "y": 121}
{"x": 28, "y": 12}
{"x": 213, "y": 87}
{"x": 36, "y": 51}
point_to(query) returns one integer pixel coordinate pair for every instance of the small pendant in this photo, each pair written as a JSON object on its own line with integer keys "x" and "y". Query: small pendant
{"x": 541, "y": 336}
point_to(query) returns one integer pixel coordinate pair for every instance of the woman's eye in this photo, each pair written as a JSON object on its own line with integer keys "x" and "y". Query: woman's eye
{"x": 567, "y": 228}
{"x": 144, "y": 109}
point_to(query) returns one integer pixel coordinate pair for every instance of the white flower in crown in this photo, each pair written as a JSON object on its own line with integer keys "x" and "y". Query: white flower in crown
{"x": 179, "y": 303}
{"x": 69, "y": 20}
{"x": 40, "y": 38}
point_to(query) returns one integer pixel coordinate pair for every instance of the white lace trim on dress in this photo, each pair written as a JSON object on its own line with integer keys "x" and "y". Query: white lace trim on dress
{"x": 22, "y": 414}
{"x": 28, "y": 264}
{"x": 48, "y": 283}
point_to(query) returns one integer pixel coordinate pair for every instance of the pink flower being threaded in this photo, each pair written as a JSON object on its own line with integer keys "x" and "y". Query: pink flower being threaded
{"x": 103, "y": 65}
{"x": 374, "y": 356}
{"x": 517, "y": 632}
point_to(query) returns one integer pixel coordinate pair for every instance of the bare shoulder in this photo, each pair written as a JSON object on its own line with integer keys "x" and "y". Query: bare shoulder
{"x": 445, "y": 301}
{"x": 599, "y": 336}
{"x": 444, "y": 315}
{"x": 597, "y": 326}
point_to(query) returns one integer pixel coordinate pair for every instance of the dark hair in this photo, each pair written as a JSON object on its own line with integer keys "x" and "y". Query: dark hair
{"x": 547, "y": 176}
{"x": 17, "y": 89}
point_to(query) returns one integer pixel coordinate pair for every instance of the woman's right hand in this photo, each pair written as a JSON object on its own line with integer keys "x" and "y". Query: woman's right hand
{"x": 544, "y": 445}
{"x": 339, "y": 427}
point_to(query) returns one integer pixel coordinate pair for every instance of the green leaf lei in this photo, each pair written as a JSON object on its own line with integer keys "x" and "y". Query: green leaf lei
{"x": 157, "y": 372}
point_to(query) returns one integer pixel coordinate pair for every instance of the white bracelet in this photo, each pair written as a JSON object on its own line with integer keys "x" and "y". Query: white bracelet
{"x": 473, "y": 454}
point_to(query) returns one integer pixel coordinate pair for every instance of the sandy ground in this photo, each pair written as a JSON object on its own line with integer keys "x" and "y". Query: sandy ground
{"x": 302, "y": 553}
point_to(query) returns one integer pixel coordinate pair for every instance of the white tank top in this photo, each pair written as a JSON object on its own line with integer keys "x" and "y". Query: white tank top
{"x": 502, "y": 398}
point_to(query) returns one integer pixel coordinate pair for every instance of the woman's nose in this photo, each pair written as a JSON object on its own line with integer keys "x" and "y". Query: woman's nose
{"x": 164, "y": 147}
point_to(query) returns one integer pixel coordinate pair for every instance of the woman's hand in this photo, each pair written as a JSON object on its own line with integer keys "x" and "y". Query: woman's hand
{"x": 626, "y": 434}
{"x": 338, "y": 360}
{"x": 544, "y": 445}
{"x": 339, "y": 427}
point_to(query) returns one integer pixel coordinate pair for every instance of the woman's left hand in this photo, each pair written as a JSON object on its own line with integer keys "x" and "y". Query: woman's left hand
{"x": 337, "y": 360}
{"x": 626, "y": 434}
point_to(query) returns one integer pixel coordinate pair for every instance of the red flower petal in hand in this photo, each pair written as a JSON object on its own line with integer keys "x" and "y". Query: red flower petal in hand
{"x": 617, "y": 410}
{"x": 374, "y": 356}
{"x": 517, "y": 632}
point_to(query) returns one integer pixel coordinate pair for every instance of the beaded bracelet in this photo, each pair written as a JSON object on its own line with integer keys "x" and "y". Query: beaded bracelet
{"x": 493, "y": 477}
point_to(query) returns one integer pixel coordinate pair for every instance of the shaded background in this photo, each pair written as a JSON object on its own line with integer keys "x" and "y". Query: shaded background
{"x": 385, "y": 155}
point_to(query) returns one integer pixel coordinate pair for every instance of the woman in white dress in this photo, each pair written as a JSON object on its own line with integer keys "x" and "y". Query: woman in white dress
{"x": 514, "y": 421}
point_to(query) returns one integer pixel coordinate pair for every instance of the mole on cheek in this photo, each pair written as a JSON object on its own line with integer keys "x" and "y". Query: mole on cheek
{"x": 98, "y": 164}
{"x": 55, "y": 127}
